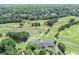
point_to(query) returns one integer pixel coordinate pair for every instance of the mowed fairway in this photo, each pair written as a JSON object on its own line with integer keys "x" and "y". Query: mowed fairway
{"x": 54, "y": 28}
{"x": 69, "y": 37}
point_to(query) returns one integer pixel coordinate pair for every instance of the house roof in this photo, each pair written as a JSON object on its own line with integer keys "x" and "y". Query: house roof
{"x": 41, "y": 43}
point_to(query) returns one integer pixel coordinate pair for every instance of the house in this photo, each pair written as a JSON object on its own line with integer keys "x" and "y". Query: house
{"x": 41, "y": 43}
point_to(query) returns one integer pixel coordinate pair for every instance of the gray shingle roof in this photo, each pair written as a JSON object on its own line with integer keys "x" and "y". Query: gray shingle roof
{"x": 41, "y": 43}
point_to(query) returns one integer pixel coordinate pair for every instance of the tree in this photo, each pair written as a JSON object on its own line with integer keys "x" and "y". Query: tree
{"x": 61, "y": 28}
{"x": 51, "y": 22}
{"x": 55, "y": 41}
{"x": 8, "y": 42}
{"x": 77, "y": 22}
{"x": 67, "y": 25}
{"x": 21, "y": 24}
{"x": 33, "y": 47}
{"x": 11, "y": 51}
{"x": 72, "y": 21}
{"x": 56, "y": 36}
{"x": 19, "y": 36}
{"x": 62, "y": 47}
{"x": 8, "y": 46}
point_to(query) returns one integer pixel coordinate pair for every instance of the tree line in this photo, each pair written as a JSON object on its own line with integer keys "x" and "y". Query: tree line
{"x": 13, "y": 15}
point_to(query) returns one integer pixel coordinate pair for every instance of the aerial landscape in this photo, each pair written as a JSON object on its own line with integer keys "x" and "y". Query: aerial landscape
{"x": 39, "y": 29}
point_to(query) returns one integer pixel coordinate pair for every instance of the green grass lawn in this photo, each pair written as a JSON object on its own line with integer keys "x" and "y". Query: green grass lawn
{"x": 69, "y": 37}
{"x": 21, "y": 45}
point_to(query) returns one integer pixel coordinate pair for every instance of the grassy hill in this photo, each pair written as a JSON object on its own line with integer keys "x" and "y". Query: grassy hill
{"x": 69, "y": 37}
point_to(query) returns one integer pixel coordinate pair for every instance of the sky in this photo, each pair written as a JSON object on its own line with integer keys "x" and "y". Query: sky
{"x": 39, "y": 1}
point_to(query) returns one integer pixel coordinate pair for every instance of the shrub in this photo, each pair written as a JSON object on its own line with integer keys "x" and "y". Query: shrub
{"x": 28, "y": 52}
{"x": 36, "y": 52}
{"x": 58, "y": 53}
{"x": 42, "y": 52}
{"x": 36, "y": 24}
{"x": 0, "y": 34}
{"x": 51, "y": 52}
